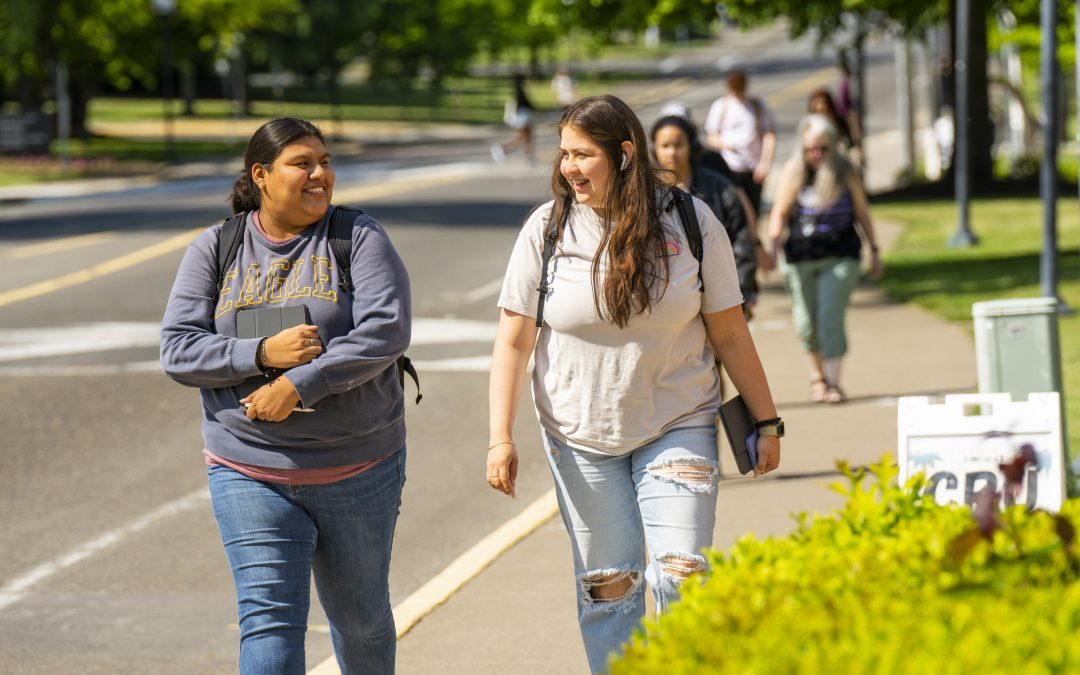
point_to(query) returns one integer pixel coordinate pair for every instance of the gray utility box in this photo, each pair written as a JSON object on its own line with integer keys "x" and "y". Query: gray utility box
{"x": 1016, "y": 346}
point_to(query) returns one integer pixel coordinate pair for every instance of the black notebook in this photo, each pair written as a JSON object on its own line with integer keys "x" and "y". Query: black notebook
{"x": 738, "y": 425}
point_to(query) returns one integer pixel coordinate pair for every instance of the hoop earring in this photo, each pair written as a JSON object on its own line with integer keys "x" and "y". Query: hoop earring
{"x": 625, "y": 162}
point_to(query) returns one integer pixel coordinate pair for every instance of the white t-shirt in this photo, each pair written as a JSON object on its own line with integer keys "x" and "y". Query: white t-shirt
{"x": 601, "y": 388}
{"x": 741, "y": 129}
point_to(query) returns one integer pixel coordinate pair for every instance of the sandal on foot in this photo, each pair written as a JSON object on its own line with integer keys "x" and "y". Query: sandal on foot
{"x": 834, "y": 394}
{"x": 819, "y": 390}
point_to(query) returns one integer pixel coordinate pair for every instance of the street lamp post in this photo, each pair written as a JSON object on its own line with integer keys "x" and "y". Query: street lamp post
{"x": 963, "y": 237}
{"x": 1048, "y": 176}
{"x": 165, "y": 10}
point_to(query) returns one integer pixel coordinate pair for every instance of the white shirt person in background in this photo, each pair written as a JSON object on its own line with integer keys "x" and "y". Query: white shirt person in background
{"x": 563, "y": 86}
{"x": 743, "y": 130}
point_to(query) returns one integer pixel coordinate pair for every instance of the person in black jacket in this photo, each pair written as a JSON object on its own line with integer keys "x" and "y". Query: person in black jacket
{"x": 676, "y": 149}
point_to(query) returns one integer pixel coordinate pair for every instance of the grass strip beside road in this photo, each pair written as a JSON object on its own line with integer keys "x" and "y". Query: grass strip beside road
{"x": 1005, "y": 264}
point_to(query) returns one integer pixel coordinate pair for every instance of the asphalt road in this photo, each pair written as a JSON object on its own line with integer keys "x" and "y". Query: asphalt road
{"x": 109, "y": 556}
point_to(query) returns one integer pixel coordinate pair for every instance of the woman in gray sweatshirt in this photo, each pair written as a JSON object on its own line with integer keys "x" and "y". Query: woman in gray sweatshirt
{"x": 304, "y": 426}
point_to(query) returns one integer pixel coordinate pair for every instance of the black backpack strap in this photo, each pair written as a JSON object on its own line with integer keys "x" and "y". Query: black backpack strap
{"x": 684, "y": 204}
{"x": 229, "y": 240}
{"x": 340, "y": 235}
{"x": 404, "y": 365}
{"x": 551, "y": 238}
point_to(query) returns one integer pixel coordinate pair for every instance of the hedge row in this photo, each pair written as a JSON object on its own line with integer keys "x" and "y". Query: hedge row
{"x": 891, "y": 583}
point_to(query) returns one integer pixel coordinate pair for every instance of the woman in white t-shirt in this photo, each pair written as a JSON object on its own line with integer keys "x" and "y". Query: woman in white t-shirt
{"x": 624, "y": 383}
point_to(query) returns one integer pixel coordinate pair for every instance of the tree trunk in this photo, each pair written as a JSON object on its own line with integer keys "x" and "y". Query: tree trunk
{"x": 534, "y": 61}
{"x": 80, "y": 99}
{"x": 187, "y": 87}
{"x": 859, "y": 73}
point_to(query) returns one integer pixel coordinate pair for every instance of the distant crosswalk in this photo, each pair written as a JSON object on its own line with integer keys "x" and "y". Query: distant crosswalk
{"x": 23, "y": 351}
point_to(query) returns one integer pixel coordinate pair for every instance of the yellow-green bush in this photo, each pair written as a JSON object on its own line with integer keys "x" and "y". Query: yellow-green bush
{"x": 891, "y": 583}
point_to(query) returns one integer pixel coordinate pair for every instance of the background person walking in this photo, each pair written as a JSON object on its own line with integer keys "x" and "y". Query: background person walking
{"x": 624, "y": 383}
{"x": 519, "y": 115}
{"x": 296, "y": 492}
{"x": 677, "y": 150}
{"x": 743, "y": 130}
{"x": 821, "y": 218}
{"x": 821, "y": 102}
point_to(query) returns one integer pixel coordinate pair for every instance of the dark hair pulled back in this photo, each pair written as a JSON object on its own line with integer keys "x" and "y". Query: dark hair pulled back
{"x": 265, "y": 146}
{"x": 684, "y": 125}
{"x": 636, "y": 275}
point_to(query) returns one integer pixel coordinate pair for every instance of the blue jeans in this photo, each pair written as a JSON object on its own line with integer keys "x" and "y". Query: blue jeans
{"x": 660, "y": 496}
{"x": 276, "y": 536}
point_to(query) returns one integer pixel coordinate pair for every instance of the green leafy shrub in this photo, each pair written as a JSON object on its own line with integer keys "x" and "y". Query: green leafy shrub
{"x": 891, "y": 583}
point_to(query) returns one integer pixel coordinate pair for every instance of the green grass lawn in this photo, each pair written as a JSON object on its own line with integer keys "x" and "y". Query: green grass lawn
{"x": 471, "y": 100}
{"x": 1005, "y": 264}
{"x": 105, "y": 157}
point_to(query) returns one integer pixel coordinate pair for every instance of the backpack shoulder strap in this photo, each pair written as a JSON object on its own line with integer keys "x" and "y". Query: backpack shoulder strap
{"x": 229, "y": 239}
{"x": 757, "y": 106}
{"x": 684, "y": 204}
{"x": 551, "y": 238}
{"x": 340, "y": 235}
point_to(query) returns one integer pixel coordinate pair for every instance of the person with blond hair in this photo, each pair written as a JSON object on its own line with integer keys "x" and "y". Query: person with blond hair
{"x": 821, "y": 218}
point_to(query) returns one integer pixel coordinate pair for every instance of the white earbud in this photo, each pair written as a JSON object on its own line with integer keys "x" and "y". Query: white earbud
{"x": 625, "y": 162}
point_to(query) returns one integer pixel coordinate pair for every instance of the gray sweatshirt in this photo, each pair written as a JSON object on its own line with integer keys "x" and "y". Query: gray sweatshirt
{"x": 353, "y": 385}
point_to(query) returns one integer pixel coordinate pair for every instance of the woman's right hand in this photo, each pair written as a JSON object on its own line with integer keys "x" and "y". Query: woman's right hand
{"x": 502, "y": 466}
{"x": 292, "y": 347}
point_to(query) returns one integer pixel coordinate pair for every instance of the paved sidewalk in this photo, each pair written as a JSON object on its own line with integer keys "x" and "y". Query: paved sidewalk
{"x": 519, "y": 615}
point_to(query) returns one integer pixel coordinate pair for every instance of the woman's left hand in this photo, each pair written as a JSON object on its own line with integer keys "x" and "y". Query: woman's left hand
{"x": 272, "y": 402}
{"x": 502, "y": 466}
{"x": 877, "y": 266}
{"x": 768, "y": 452}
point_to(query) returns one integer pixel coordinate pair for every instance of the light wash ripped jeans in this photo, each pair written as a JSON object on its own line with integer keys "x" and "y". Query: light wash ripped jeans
{"x": 660, "y": 497}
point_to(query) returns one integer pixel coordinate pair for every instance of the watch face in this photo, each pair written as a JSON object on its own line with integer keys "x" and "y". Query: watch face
{"x": 776, "y": 429}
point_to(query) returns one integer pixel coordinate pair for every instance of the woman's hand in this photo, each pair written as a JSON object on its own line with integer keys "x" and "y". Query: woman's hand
{"x": 768, "y": 452}
{"x": 502, "y": 466}
{"x": 877, "y": 266}
{"x": 292, "y": 347}
{"x": 769, "y": 259}
{"x": 272, "y": 402}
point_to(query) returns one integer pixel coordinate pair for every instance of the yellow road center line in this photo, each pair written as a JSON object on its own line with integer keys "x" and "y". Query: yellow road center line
{"x": 458, "y": 573}
{"x": 182, "y": 240}
{"x": 101, "y": 269}
{"x": 57, "y": 245}
{"x": 804, "y": 86}
{"x": 369, "y": 192}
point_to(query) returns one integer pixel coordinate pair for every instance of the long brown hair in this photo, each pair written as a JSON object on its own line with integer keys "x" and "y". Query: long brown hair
{"x": 632, "y": 236}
